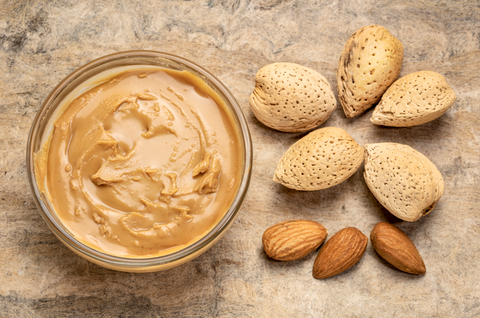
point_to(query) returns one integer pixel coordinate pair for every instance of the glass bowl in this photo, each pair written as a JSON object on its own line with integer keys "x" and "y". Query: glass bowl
{"x": 41, "y": 129}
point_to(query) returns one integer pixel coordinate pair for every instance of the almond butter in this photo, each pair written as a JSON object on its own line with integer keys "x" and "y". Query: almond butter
{"x": 291, "y": 97}
{"x": 291, "y": 240}
{"x": 340, "y": 252}
{"x": 414, "y": 99}
{"x": 323, "y": 158}
{"x": 393, "y": 245}
{"x": 403, "y": 180}
{"x": 370, "y": 61}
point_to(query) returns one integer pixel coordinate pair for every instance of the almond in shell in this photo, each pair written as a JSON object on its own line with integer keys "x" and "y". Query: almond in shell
{"x": 290, "y": 97}
{"x": 414, "y": 99}
{"x": 291, "y": 240}
{"x": 403, "y": 180}
{"x": 340, "y": 252}
{"x": 393, "y": 245}
{"x": 370, "y": 61}
{"x": 321, "y": 159}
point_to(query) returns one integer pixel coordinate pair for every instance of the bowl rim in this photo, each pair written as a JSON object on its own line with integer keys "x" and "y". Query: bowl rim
{"x": 198, "y": 246}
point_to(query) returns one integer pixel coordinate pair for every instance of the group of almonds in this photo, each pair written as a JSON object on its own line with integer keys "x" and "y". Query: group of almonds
{"x": 293, "y": 98}
{"x": 292, "y": 240}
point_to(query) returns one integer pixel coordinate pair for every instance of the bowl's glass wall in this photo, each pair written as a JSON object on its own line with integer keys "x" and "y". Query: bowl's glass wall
{"x": 40, "y": 131}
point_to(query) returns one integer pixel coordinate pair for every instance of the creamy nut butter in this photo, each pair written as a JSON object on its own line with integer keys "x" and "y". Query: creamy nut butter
{"x": 141, "y": 163}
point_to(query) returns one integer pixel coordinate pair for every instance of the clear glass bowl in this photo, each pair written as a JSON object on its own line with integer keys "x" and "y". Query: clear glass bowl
{"x": 40, "y": 130}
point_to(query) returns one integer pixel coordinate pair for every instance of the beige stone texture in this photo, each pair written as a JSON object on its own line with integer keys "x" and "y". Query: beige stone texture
{"x": 43, "y": 41}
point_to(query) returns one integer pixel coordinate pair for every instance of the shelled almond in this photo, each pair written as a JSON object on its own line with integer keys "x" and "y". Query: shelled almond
{"x": 393, "y": 245}
{"x": 340, "y": 252}
{"x": 291, "y": 240}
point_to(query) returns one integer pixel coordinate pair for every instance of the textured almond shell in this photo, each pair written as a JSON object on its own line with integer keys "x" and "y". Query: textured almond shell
{"x": 414, "y": 99}
{"x": 340, "y": 252}
{"x": 323, "y": 158}
{"x": 291, "y": 240}
{"x": 393, "y": 245}
{"x": 370, "y": 61}
{"x": 403, "y": 180}
{"x": 291, "y": 97}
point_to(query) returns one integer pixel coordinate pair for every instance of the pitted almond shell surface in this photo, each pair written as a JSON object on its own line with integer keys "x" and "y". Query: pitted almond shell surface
{"x": 414, "y": 99}
{"x": 370, "y": 61}
{"x": 339, "y": 253}
{"x": 403, "y": 180}
{"x": 323, "y": 158}
{"x": 291, "y": 240}
{"x": 291, "y": 97}
{"x": 393, "y": 245}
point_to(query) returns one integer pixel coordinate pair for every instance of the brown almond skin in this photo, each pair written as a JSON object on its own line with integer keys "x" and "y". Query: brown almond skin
{"x": 342, "y": 251}
{"x": 393, "y": 245}
{"x": 291, "y": 240}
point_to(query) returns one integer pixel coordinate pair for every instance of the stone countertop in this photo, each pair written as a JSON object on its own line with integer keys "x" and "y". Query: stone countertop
{"x": 43, "y": 41}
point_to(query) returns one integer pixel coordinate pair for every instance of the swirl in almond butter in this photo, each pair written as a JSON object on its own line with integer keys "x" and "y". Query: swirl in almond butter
{"x": 142, "y": 164}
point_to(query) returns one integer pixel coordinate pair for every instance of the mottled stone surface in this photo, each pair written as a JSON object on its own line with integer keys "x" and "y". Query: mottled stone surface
{"x": 42, "y": 41}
